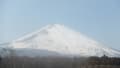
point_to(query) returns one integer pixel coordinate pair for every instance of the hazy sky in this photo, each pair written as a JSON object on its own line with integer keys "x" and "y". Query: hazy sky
{"x": 98, "y": 19}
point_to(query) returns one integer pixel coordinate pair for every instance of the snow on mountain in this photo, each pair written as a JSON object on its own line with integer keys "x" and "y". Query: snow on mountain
{"x": 61, "y": 40}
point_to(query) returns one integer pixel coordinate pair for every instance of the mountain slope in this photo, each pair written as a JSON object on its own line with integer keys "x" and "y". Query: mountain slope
{"x": 62, "y": 40}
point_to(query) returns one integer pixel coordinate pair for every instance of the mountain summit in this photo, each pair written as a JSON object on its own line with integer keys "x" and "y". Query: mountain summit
{"x": 62, "y": 40}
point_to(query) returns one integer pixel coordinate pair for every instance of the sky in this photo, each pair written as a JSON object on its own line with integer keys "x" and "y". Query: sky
{"x": 98, "y": 19}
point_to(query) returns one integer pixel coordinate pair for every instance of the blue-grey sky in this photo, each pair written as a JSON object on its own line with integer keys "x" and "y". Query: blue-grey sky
{"x": 98, "y": 19}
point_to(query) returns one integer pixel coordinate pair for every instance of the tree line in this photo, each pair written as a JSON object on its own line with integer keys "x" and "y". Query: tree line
{"x": 104, "y": 60}
{"x": 59, "y": 62}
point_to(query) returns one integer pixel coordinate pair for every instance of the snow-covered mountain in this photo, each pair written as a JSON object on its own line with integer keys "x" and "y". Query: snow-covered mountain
{"x": 57, "y": 39}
